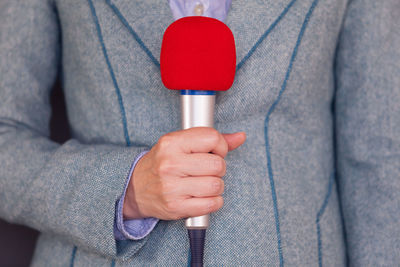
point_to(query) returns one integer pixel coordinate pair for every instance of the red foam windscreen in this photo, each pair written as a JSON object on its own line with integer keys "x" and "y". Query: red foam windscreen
{"x": 198, "y": 53}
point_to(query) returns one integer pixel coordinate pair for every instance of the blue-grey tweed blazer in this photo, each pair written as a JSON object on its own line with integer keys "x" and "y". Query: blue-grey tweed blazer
{"x": 317, "y": 91}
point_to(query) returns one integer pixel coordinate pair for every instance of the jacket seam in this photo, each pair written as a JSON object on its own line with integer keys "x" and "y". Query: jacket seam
{"x": 71, "y": 264}
{"x": 112, "y": 74}
{"x": 266, "y": 124}
{"x": 320, "y": 213}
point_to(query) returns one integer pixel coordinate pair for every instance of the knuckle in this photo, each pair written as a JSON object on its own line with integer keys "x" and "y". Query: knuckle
{"x": 211, "y": 205}
{"x": 214, "y": 136}
{"x": 170, "y": 207}
{"x": 225, "y": 148}
{"x": 221, "y": 187}
{"x": 217, "y": 186}
{"x": 219, "y": 202}
{"x": 223, "y": 172}
{"x": 219, "y": 166}
{"x": 165, "y": 141}
{"x": 224, "y": 151}
{"x": 215, "y": 204}
{"x": 165, "y": 167}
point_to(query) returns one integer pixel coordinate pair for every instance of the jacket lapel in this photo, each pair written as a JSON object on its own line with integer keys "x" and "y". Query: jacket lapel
{"x": 250, "y": 21}
{"x": 146, "y": 20}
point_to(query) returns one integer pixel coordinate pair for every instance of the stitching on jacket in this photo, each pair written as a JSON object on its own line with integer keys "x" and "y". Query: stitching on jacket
{"x": 71, "y": 264}
{"x": 189, "y": 258}
{"x": 272, "y": 108}
{"x": 266, "y": 33}
{"x": 319, "y": 215}
{"x": 134, "y": 34}
{"x": 110, "y": 69}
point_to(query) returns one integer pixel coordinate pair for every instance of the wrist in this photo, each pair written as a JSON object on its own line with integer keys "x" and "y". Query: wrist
{"x": 130, "y": 208}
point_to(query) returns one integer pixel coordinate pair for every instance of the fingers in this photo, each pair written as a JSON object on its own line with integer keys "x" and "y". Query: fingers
{"x": 196, "y": 140}
{"x": 199, "y": 164}
{"x": 188, "y": 197}
{"x": 192, "y": 162}
{"x": 205, "y": 186}
{"x": 202, "y": 164}
{"x": 234, "y": 140}
{"x": 204, "y": 140}
{"x": 193, "y": 207}
{"x": 200, "y": 206}
{"x": 201, "y": 140}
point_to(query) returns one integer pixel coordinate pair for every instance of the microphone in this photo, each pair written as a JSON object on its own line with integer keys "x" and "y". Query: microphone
{"x": 198, "y": 57}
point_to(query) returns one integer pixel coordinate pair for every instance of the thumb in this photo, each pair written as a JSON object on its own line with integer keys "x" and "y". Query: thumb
{"x": 234, "y": 140}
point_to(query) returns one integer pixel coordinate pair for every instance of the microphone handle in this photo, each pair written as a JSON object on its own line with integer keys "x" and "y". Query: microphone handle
{"x": 197, "y": 110}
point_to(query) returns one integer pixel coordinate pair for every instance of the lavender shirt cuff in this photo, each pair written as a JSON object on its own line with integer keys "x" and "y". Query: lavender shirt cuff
{"x": 131, "y": 229}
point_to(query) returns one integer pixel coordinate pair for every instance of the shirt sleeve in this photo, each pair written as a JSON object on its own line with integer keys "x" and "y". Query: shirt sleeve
{"x": 131, "y": 229}
{"x": 367, "y": 110}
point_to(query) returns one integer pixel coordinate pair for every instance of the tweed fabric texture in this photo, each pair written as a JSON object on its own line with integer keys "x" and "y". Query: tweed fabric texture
{"x": 317, "y": 89}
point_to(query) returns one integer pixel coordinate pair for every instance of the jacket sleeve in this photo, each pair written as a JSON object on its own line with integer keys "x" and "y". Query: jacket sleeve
{"x": 67, "y": 190}
{"x": 367, "y": 112}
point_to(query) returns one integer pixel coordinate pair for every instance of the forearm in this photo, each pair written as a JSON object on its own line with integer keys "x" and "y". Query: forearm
{"x": 69, "y": 190}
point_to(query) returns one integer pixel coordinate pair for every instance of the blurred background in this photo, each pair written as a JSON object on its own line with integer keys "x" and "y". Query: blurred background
{"x": 17, "y": 242}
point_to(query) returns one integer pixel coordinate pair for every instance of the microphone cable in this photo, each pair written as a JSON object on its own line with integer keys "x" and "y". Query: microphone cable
{"x": 197, "y": 241}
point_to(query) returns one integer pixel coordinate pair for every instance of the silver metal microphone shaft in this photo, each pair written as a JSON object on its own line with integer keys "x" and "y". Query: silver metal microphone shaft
{"x": 197, "y": 111}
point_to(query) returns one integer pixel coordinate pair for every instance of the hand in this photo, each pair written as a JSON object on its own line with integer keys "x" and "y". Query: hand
{"x": 179, "y": 177}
